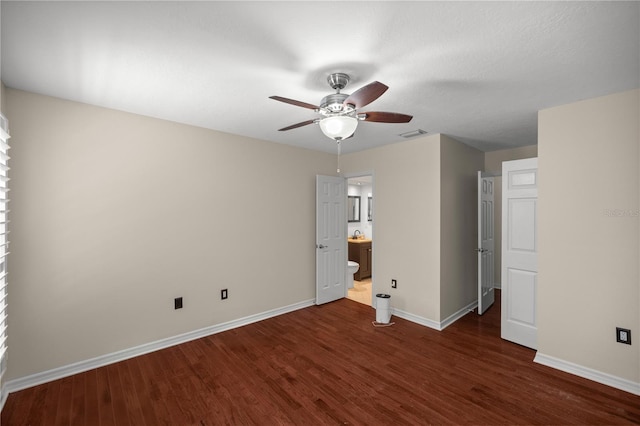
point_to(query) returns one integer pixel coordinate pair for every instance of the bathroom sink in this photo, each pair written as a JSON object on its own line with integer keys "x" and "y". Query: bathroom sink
{"x": 359, "y": 240}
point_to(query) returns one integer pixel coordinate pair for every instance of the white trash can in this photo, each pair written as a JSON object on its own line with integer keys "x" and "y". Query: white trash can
{"x": 383, "y": 308}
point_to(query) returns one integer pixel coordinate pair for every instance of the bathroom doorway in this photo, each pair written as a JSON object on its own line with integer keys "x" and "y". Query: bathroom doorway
{"x": 360, "y": 216}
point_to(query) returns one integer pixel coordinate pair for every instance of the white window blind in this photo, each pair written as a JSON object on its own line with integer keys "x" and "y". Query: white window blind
{"x": 4, "y": 241}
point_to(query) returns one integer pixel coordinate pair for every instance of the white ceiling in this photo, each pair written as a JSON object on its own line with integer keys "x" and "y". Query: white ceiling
{"x": 476, "y": 71}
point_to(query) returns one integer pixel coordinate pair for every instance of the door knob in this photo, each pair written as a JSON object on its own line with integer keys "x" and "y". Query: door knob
{"x": 320, "y": 246}
{"x": 481, "y": 250}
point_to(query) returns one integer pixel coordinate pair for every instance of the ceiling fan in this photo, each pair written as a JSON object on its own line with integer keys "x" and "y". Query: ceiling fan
{"x": 339, "y": 111}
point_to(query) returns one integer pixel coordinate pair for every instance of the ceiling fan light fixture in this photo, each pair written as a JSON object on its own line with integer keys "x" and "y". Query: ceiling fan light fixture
{"x": 338, "y": 127}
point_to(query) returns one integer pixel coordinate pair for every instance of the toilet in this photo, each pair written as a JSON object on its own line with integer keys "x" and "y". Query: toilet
{"x": 352, "y": 268}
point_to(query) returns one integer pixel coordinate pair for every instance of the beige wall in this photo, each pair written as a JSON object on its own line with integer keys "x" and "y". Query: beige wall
{"x": 493, "y": 160}
{"x": 406, "y": 245}
{"x": 113, "y": 215}
{"x": 425, "y": 222}
{"x": 493, "y": 164}
{"x": 589, "y": 233}
{"x": 459, "y": 166}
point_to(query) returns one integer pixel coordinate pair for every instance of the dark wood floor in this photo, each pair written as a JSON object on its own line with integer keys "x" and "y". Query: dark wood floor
{"x": 329, "y": 365}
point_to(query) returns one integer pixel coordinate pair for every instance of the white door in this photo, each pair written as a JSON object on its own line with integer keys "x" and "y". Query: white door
{"x": 331, "y": 238}
{"x": 486, "y": 295}
{"x": 520, "y": 251}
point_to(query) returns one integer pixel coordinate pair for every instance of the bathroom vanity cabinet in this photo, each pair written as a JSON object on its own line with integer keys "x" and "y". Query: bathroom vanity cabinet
{"x": 360, "y": 251}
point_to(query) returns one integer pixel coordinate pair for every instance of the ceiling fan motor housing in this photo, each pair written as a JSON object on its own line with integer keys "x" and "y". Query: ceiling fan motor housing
{"x": 334, "y": 103}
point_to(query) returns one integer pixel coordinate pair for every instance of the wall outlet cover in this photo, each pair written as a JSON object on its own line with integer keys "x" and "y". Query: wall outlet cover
{"x": 623, "y": 335}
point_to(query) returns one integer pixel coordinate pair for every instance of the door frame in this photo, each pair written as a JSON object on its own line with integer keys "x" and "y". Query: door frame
{"x": 348, "y": 176}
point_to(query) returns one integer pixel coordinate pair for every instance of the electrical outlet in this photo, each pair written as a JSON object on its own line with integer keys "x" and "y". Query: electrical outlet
{"x": 394, "y": 283}
{"x": 224, "y": 294}
{"x": 177, "y": 303}
{"x": 623, "y": 335}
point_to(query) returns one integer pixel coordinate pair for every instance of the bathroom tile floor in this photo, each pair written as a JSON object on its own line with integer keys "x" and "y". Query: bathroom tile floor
{"x": 361, "y": 291}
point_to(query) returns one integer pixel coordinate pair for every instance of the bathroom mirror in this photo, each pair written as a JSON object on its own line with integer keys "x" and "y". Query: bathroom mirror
{"x": 353, "y": 208}
{"x": 370, "y": 210}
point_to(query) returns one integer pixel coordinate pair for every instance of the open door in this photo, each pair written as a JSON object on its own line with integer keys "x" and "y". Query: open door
{"x": 486, "y": 295}
{"x": 519, "y": 322}
{"x": 331, "y": 238}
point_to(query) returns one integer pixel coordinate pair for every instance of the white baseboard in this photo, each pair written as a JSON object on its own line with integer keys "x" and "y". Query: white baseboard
{"x": 417, "y": 319}
{"x": 457, "y": 315}
{"x": 588, "y": 373}
{"x": 4, "y": 393}
{"x": 102, "y": 360}
{"x": 435, "y": 324}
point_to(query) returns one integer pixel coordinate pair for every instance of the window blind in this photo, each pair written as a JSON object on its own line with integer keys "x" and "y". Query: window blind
{"x": 4, "y": 241}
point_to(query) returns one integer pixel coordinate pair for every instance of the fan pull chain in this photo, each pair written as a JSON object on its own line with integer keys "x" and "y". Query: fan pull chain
{"x": 338, "y": 157}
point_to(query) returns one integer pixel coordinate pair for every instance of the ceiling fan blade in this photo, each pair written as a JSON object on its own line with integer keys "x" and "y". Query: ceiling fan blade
{"x": 365, "y": 95}
{"x": 295, "y": 126}
{"x": 387, "y": 117}
{"x": 294, "y": 102}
